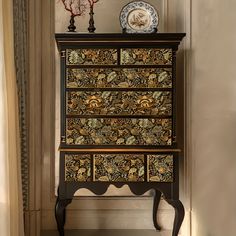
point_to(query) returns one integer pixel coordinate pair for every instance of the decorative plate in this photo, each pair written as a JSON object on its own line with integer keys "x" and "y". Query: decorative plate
{"x": 139, "y": 17}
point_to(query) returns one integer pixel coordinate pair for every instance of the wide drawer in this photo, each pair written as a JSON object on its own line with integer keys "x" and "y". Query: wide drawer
{"x": 119, "y": 168}
{"x": 146, "y": 56}
{"x": 119, "y": 78}
{"x": 119, "y": 103}
{"x": 118, "y": 131}
{"x": 83, "y": 56}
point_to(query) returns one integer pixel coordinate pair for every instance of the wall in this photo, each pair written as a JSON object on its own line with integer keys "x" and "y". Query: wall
{"x": 213, "y": 95}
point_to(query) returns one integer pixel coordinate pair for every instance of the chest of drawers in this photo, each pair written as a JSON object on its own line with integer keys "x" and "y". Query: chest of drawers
{"x": 118, "y": 117}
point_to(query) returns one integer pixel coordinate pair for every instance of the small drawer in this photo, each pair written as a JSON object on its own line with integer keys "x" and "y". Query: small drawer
{"x": 118, "y": 131}
{"x": 119, "y": 168}
{"x": 119, "y": 103}
{"x": 119, "y": 78}
{"x": 160, "y": 168}
{"x": 96, "y": 56}
{"x": 78, "y": 168}
{"x": 146, "y": 56}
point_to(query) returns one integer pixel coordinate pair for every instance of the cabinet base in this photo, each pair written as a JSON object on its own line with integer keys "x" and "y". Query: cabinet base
{"x": 138, "y": 189}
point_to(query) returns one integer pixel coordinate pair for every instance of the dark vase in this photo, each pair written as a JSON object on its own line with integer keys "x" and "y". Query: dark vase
{"x": 91, "y": 27}
{"x": 72, "y": 26}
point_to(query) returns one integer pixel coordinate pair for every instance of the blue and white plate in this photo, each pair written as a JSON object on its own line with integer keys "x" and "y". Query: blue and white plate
{"x": 139, "y": 17}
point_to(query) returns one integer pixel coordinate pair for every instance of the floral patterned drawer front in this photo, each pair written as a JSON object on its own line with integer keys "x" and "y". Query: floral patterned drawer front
{"x": 119, "y": 78}
{"x": 120, "y": 131}
{"x": 119, "y": 168}
{"x": 160, "y": 168}
{"x": 91, "y": 56}
{"x": 146, "y": 56}
{"x": 78, "y": 168}
{"x": 119, "y": 103}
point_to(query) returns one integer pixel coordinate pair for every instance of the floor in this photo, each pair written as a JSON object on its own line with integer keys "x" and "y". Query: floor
{"x": 108, "y": 233}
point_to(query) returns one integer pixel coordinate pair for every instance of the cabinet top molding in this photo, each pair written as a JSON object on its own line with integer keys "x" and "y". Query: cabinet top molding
{"x": 78, "y": 38}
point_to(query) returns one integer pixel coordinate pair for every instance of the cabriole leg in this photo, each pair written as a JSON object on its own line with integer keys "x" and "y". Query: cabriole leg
{"x": 60, "y": 213}
{"x": 156, "y": 201}
{"x": 179, "y": 215}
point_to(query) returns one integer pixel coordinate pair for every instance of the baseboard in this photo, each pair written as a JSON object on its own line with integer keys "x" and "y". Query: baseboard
{"x": 110, "y": 219}
{"x": 32, "y": 222}
{"x": 108, "y": 233}
{"x": 134, "y": 217}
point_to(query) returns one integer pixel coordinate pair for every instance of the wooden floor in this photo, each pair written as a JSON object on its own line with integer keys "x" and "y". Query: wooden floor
{"x": 108, "y": 233}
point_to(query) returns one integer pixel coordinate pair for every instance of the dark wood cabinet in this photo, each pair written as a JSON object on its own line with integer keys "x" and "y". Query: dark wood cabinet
{"x": 118, "y": 117}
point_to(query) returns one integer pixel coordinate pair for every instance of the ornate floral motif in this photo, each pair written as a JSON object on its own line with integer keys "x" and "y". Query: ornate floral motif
{"x": 78, "y": 168}
{"x": 91, "y": 56}
{"x": 160, "y": 168}
{"x": 120, "y": 131}
{"x": 119, "y": 78}
{"x": 146, "y": 56}
{"x": 119, "y": 103}
{"x": 119, "y": 168}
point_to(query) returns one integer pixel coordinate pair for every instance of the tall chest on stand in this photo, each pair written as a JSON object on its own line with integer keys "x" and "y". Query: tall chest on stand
{"x": 118, "y": 117}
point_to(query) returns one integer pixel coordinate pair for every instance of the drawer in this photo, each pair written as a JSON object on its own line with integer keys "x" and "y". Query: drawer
{"x": 118, "y": 131}
{"x": 119, "y": 168}
{"x": 119, "y": 103}
{"x": 160, "y": 168}
{"x": 101, "y": 56}
{"x": 146, "y": 56}
{"x": 78, "y": 168}
{"x": 119, "y": 78}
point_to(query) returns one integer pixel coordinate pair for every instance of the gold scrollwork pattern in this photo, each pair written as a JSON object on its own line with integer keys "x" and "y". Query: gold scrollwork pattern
{"x": 118, "y": 131}
{"x": 160, "y": 168}
{"x": 119, "y": 78}
{"x": 119, "y": 168}
{"x": 119, "y": 103}
{"x": 91, "y": 56}
{"x": 146, "y": 56}
{"x": 78, "y": 168}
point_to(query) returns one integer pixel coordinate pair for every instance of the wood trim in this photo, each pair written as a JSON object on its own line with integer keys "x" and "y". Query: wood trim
{"x": 118, "y": 41}
{"x": 32, "y": 219}
{"x": 147, "y": 166}
{"x": 188, "y": 145}
{"x": 48, "y": 107}
{"x": 165, "y": 10}
{"x": 32, "y": 216}
{"x": 126, "y": 219}
{"x": 120, "y": 37}
{"x": 84, "y": 150}
{"x": 183, "y": 13}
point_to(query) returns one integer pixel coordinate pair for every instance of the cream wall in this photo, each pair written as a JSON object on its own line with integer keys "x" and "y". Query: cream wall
{"x": 213, "y": 113}
{"x": 106, "y": 16}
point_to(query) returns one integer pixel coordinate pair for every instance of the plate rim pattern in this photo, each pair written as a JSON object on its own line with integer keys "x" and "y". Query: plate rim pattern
{"x": 125, "y": 11}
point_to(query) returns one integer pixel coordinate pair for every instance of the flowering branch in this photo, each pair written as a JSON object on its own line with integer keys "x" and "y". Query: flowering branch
{"x": 75, "y": 7}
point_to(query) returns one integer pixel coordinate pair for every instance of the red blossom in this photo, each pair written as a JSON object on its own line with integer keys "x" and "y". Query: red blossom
{"x": 75, "y": 7}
